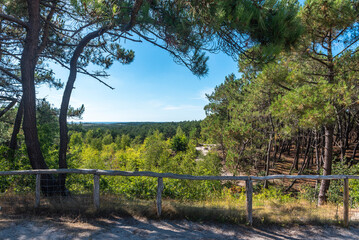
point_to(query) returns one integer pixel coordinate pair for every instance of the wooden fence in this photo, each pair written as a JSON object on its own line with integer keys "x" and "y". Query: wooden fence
{"x": 248, "y": 179}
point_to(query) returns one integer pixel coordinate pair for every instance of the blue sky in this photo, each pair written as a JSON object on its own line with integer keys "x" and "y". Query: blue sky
{"x": 152, "y": 88}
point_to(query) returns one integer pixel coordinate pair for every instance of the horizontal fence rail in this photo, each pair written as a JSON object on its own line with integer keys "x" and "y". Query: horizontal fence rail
{"x": 172, "y": 175}
{"x": 248, "y": 179}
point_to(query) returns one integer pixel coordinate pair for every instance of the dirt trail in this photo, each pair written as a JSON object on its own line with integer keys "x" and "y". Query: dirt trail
{"x": 135, "y": 228}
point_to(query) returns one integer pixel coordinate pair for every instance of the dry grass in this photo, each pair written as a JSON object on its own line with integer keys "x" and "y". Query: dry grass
{"x": 297, "y": 212}
{"x": 227, "y": 210}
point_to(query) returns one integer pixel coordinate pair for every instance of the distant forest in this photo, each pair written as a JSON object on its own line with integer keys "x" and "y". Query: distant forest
{"x": 139, "y": 129}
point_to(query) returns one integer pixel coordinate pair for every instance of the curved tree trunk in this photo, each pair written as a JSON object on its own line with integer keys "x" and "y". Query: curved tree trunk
{"x": 17, "y": 125}
{"x": 13, "y": 141}
{"x": 66, "y": 100}
{"x": 71, "y": 80}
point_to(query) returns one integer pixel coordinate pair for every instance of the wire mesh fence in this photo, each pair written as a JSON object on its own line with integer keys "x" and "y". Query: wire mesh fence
{"x": 234, "y": 199}
{"x": 17, "y": 193}
{"x": 299, "y": 204}
{"x": 75, "y": 195}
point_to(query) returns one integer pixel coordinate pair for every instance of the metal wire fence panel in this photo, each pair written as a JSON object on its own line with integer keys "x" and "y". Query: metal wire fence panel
{"x": 180, "y": 198}
{"x": 17, "y": 193}
{"x": 354, "y": 201}
{"x": 75, "y": 195}
{"x": 300, "y": 203}
{"x": 79, "y": 184}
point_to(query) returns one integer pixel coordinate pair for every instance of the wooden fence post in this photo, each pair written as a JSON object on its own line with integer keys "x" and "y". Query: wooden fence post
{"x": 37, "y": 190}
{"x": 249, "y": 196}
{"x": 96, "y": 191}
{"x": 346, "y": 202}
{"x": 159, "y": 196}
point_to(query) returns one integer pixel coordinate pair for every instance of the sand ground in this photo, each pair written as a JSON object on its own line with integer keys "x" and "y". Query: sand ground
{"x": 138, "y": 228}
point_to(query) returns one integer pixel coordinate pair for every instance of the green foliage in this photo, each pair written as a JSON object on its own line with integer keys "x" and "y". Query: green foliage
{"x": 123, "y": 142}
{"x": 5, "y": 126}
{"x": 209, "y": 165}
{"x": 271, "y": 25}
{"x": 312, "y": 87}
{"x": 179, "y": 143}
{"x": 335, "y": 192}
{"x": 312, "y": 105}
{"x": 272, "y": 193}
{"x": 96, "y": 143}
{"x": 154, "y": 154}
{"x": 309, "y": 193}
{"x": 107, "y": 139}
{"x": 76, "y": 139}
{"x": 46, "y": 116}
{"x": 354, "y": 191}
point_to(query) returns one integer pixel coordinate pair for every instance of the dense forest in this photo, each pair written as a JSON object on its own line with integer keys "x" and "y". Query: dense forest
{"x": 141, "y": 129}
{"x": 295, "y": 97}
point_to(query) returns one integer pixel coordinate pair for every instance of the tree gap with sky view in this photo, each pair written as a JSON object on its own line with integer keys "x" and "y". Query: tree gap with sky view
{"x": 252, "y": 88}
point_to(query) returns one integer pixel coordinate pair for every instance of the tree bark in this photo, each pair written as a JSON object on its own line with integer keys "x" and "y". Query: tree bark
{"x": 66, "y": 100}
{"x": 268, "y": 160}
{"x": 295, "y": 164}
{"x": 289, "y": 145}
{"x": 317, "y": 157}
{"x": 13, "y": 141}
{"x": 8, "y": 107}
{"x": 28, "y": 63}
{"x": 348, "y": 129}
{"x": 329, "y": 128}
{"x": 327, "y": 168}
{"x": 354, "y": 153}
{"x": 17, "y": 124}
{"x": 306, "y": 156}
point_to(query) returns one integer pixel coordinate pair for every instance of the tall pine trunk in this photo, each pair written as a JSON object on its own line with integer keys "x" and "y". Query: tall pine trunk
{"x": 267, "y": 164}
{"x": 327, "y": 168}
{"x": 28, "y": 63}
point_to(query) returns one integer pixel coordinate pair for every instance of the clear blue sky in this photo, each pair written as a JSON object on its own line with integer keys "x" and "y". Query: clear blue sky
{"x": 152, "y": 88}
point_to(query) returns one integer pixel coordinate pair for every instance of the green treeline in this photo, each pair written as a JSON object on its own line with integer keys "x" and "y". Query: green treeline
{"x": 141, "y": 129}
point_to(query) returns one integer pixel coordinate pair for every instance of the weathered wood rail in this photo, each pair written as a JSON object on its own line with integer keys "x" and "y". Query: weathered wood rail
{"x": 248, "y": 179}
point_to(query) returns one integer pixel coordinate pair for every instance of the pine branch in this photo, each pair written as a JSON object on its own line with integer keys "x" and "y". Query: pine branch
{"x": 14, "y": 20}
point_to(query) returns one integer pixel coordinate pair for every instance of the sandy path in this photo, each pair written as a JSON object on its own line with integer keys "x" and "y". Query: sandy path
{"x": 133, "y": 228}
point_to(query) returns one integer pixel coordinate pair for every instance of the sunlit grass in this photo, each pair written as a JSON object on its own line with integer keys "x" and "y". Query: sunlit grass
{"x": 296, "y": 211}
{"x": 227, "y": 208}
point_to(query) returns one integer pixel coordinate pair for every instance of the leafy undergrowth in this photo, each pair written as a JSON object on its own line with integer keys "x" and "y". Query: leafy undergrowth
{"x": 227, "y": 209}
